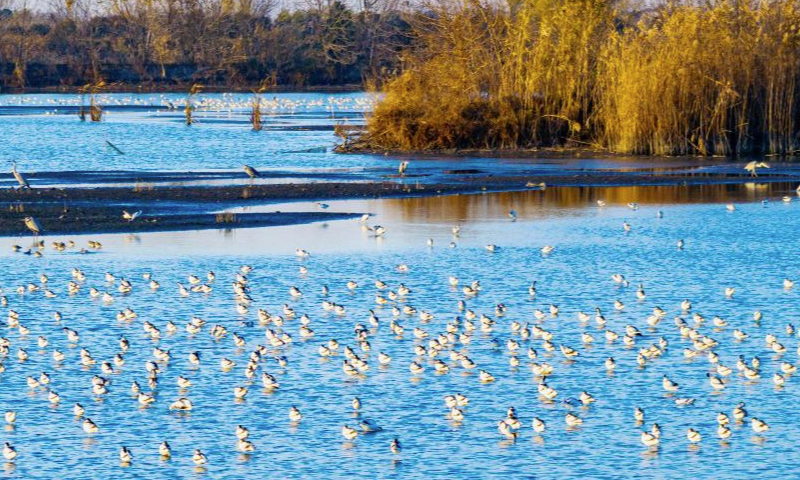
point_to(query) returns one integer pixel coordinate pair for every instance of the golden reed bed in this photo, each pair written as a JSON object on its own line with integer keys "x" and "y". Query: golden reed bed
{"x": 718, "y": 79}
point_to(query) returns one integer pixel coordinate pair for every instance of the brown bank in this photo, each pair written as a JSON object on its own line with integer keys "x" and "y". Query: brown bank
{"x": 98, "y": 210}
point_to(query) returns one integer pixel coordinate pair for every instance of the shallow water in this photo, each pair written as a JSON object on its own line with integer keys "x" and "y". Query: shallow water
{"x": 752, "y": 248}
{"x": 297, "y": 140}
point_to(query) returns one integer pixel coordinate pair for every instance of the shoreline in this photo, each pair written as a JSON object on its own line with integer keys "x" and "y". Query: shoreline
{"x": 80, "y": 210}
{"x": 545, "y": 153}
{"x": 96, "y": 222}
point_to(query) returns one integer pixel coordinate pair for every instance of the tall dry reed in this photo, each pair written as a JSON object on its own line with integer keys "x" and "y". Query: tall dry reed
{"x": 719, "y": 78}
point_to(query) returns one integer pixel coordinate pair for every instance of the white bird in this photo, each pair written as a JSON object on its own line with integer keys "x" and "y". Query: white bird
{"x": 130, "y": 216}
{"x": 402, "y": 169}
{"x": 370, "y": 426}
{"x": 9, "y": 452}
{"x": 755, "y": 165}
{"x": 165, "y": 450}
{"x": 349, "y": 433}
{"x": 125, "y": 455}
{"x": 198, "y": 458}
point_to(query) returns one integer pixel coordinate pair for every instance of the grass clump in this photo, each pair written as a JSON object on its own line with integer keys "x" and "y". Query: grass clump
{"x": 226, "y": 217}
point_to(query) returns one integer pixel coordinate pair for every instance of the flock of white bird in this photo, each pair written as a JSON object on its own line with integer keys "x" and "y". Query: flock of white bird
{"x": 440, "y": 347}
{"x": 225, "y": 102}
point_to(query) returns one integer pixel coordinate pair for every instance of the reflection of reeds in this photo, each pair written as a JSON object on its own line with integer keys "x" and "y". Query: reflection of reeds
{"x": 226, "y": 217}
{"x": 19, "y": 207}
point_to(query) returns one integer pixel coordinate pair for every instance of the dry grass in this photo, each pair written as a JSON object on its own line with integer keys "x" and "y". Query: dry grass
{"x": 487, "y": 77}
{"x": 226, "y": 217}
{"x": 255, "y": 116}
{"x": 189, "y": 109}
{"x": 709, "y": 81}
{"x": 716, "y": 79}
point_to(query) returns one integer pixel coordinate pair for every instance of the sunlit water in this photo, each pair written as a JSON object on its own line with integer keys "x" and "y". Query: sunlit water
{"x": 752, "y": 249}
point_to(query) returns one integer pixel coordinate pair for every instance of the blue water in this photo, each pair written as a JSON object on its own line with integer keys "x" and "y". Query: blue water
{"x": 752, "y": 249}
{"x": 154, "y": 137}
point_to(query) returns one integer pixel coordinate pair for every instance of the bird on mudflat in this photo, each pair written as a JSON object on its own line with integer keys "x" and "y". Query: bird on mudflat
{"x": 251, "y": 172}
{"x": 23, "y": 183}
{"x": 130, "y": 216}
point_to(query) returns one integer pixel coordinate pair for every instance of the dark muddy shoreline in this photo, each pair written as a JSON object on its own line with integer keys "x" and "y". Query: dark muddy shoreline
{"x": 83, "y": 220}
{"x": 99, "y": 210}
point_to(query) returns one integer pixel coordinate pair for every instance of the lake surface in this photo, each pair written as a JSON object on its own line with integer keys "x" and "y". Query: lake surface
{"x": 752, "y": 248}
{"x": 43, "y": 133}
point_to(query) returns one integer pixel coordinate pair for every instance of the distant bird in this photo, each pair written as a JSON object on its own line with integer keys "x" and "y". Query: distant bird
{"x": 125, "y": 455}
{"x": 199, "y": 458}
{"x": 33, "y": 226}
{"x": 20, "y": 179}
{"x": 9, "y": 452}
{"x": 251, "y": 172}
{"x": 369, "y": 426}
{"x": 165, "y": 450}
{"x": 349, "y": 433}
{"x": 321, "y": 205}
{"x": 402, "y": 169}
{"x": 512, "y": 214}
{"x": 755, "y": 165}
{"x": 130, "y": 216}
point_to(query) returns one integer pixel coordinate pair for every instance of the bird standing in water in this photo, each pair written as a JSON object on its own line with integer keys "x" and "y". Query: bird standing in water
{"x": 33, "y": 225}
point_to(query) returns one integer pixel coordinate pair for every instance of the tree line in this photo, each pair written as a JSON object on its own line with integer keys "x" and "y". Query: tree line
{"x": 223, "y": 43}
